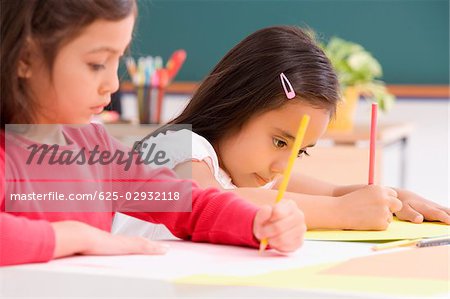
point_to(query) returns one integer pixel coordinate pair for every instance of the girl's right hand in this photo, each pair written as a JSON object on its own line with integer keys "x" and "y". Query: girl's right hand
{"x": 73, "y": 237}
{"x": 369, "y": 208}
{"x": 283, "y": 225}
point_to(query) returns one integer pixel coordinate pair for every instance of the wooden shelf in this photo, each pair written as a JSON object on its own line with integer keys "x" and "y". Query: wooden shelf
{"x": 402, "y": 91}
{"x": 420, "y": 91}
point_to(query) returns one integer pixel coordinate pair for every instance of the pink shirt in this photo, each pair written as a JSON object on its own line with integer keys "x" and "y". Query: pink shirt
{"x": 28, "y": 237}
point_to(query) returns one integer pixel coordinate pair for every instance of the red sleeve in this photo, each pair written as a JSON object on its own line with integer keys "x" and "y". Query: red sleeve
{"x": 22, "y": 240}
{"x": 216, "y": 217}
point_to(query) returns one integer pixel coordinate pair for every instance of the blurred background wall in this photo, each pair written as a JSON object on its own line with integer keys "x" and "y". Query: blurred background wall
{"x": 410, "y": 38}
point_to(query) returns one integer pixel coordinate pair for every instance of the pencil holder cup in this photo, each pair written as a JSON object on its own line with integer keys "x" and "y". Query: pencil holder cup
{"x": 143, "y": 101}
{"x": 149, "y": 101}
{"x": 150, "y": 78}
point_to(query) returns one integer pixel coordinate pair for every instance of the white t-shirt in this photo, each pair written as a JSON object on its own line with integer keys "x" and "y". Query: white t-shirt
{"x": 176, "y": 146}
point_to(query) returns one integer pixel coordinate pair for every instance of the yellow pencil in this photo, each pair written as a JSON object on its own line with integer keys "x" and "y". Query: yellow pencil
{"x": 287, "y": 172}
{"x": 395, "y": 244}
{"x": 433, "y": 241}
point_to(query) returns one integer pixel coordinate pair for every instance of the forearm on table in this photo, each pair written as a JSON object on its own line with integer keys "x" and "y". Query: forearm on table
{"x": 345, "y": 189}
{"x": 299, "y": 183}
{"x": 71, "y": 237}
{"x": 320, "y": 211}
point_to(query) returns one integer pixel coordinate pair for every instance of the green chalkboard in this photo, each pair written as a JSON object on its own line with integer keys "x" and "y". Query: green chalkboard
{"x": 410, "y": 38}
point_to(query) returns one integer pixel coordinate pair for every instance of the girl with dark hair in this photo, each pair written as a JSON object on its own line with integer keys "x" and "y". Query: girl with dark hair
{"x": 59, "y": 66}
{"x": 244, "y": 116}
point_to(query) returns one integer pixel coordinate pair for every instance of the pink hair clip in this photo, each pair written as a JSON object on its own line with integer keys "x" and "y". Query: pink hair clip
{"x": 290, "y": 94}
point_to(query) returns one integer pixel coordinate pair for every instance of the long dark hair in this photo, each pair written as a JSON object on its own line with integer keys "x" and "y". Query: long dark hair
{"x": 246, "y": 82}
{"x": 51, "y": 24}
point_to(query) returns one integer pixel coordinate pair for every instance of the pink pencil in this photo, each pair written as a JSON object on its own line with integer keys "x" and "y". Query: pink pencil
{"x": 373, "y": 142}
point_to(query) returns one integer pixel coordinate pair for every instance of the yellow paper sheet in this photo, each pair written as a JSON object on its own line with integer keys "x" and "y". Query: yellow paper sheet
{"x": 397, "y": 230}
{"x": 309, "y": 278}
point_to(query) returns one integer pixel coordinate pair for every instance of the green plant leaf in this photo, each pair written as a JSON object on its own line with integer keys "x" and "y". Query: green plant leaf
{"x": 355, "y": 66}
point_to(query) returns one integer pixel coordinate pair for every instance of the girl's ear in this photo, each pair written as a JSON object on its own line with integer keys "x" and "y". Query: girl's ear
{"x": 24, "y": 65}
{"x": 23, "y": 70}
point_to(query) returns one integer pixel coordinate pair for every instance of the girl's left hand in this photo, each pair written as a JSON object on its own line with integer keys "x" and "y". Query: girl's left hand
{"x": 417, "y": 209}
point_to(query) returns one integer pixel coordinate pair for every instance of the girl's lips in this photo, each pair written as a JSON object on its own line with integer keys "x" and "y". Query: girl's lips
{"x": 97, "y": 109}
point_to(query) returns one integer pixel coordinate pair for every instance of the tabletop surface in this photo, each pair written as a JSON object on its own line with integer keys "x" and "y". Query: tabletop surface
{"x": 139, "y": 275}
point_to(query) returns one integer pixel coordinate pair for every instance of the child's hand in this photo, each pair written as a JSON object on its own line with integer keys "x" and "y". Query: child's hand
{"x": 416, "y": 209}
{"x": 368, "y": 208}
{"x": 73, "y": 237}
{"x": 283, "y": 225}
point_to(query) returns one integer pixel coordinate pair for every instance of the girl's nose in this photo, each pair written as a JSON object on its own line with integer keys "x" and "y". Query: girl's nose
{"x": 279, "y": 164}
{"x": 110, "y": 84}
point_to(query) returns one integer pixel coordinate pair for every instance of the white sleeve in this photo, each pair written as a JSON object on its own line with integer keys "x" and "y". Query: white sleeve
{"x": 202, "y": 150}
{"x": 184, "y": 145}
{"x": 179, "y": 147}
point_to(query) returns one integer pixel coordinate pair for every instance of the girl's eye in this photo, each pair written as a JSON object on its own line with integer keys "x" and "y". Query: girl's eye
{"x": 96, "y": 67}
{"x": 279, "y": 143}
{"x": 302, "y": 152}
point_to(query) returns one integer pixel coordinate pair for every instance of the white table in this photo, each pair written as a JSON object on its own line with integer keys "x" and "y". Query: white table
{"x": 153, "y": 276}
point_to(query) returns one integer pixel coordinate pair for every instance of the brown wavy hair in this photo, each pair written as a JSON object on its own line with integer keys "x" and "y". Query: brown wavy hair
{"x": 51, "y": 24}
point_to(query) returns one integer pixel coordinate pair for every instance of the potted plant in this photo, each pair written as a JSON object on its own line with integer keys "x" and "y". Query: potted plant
{"x": 358, "y": 73}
